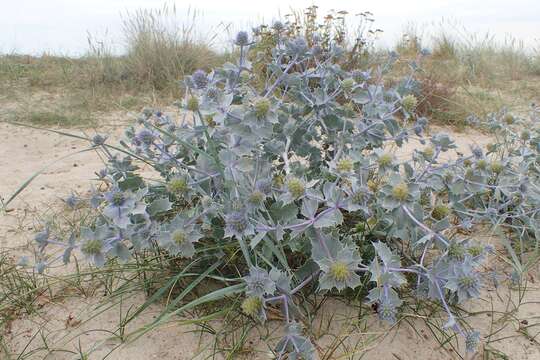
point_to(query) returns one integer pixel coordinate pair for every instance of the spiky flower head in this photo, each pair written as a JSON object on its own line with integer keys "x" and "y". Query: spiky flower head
{"x": 385, "y": 160}
{"x": 477, "y": 152}
{"x": 296, "y": 187}
{"x": 199, "y": 78}
{"x": 192, "y": 104}
{"x": 178, "y": 185}
{"x": 261, "y": 107}
{"x": 496, "y": 167}
{"x": 345, "y": 165}
{"x": 508, "y": 119}
{"x": 93, "y": 244}
{"x": 387, "y": 311}
{"x": 118, "y": 198}
{"x": 259, "y": 282}
{"x": 338, "y": 267}
{"x": 472, "y": 339}
{"x": 400, "y": 191}
{"x": 145, "y": 137}
{"x": 237, "y": 224}
{"x": 92, "y": 247}
{"x": 339, "y": 271}
{"x": 464, "y": 281}
{"x": 440, "y": 211}
{"x": 209, "y": 120}
{"x": 245, "y": 76}
{"x": 409, "y": 102}
{"x": 298, "y": 46}
{"x": 179, "y": 237}
{"x": 525, "y": 135}
{"x": 278, "y": 26}
{"x": 456, "y": 251}
{"x": 252, "y": 306}
{"x": 475, "y": 250}
{"x": 428, "y": 152}
{"x": 242, "y": 38}
{"x": 212, "y": 93}
{"x": 99, "y": 139}
{"x": 481, "y": 164}
{"x": 256, "y": 198}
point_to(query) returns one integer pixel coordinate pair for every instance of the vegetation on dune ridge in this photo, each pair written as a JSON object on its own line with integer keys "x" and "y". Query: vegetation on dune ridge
{"x": 276, "y": 184}
{"x": 463, "y": 74}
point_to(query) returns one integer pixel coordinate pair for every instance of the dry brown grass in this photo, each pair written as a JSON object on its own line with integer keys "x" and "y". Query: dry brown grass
{"x": 463, "y": 75}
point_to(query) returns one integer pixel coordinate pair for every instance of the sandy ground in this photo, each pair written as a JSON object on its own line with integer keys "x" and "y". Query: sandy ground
{"x": 86, "y": 322}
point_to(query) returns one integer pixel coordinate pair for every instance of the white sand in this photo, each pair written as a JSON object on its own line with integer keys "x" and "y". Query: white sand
{"x": 63, "y": 322}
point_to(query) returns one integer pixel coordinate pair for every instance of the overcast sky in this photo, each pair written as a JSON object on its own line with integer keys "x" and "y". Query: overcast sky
{"x": 61, "y": 26}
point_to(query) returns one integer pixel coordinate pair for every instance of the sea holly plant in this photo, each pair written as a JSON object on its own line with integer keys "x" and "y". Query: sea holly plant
{"x": 287, "y": 180}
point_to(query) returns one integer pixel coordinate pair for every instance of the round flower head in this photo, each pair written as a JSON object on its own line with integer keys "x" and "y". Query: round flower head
{"x": 400, "y": 191}
{"x": 178, "y": 185}
{"x": 256, "y": 198}
{"x": 261, "y": 107}
{"x": 259, "y": 283}
{"x": 509, "y": 119}
{"x": 297, "y": 46}
{"x": 92, "y": 247}
{"x": 477, "y": 152}
{"x": 237, "y": 224}
{"x": 212, "y": 94}
{"x": 456, "y": 251}
{"x": 94, "y": 244}
{"x": 497, "y": 167}
{"x": 464, "y": 281}
{"x": 440, "y": 211}
{"x": 278, "y": 26}
{"x": 316, "y": 50}
{"x": 387, "y": 311}
{"x": 178, "y": 237}
{"x": 345, "y": 165}
{"x": 242, "y": 38}
{"x": 199, "y": 79}
{"x": 296, "y": 187}
{"x": 428, "y": 152}
{"x": 481, "y": 164}
{"x": 145, "y": 137}
{"x": 99, "y": 139}
{"x": 409, "y": 102}
{"x": 372, "y": 185}
{"x": 192, "y": 104}
{"x": 122, "y": 204}
{"x": 252, "y": 306}
{"x": 471, "y": 341}
{"x": 339, "y": 271}
{"x": 385, "y": 160}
